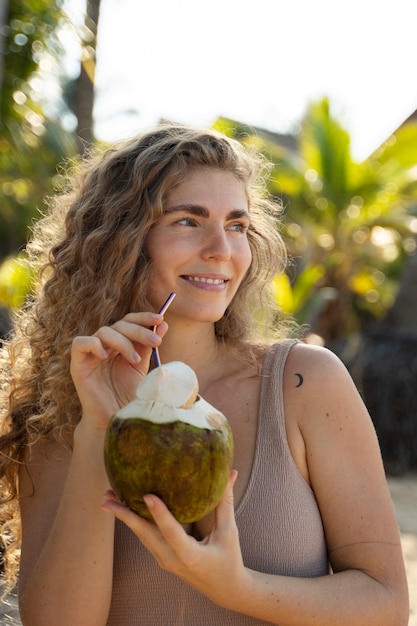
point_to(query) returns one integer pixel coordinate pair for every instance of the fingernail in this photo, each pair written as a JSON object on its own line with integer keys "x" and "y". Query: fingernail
{"x": 136, "y": 357}
{"x": 148, "y": 501}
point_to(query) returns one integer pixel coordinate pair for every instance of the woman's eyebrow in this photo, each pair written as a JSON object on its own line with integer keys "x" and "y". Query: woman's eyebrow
{"x": 195, "y": 209}
{"x": 201, "y": 211}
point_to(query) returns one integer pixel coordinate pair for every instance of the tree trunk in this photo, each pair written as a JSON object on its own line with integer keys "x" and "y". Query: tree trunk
{"x": 84, "y": 92}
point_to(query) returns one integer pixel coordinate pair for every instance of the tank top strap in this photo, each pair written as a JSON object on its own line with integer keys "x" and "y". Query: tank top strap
{"x": 277, "y": 357}
{"x": 272, "y": 394}
{"x": 271, "y": 436}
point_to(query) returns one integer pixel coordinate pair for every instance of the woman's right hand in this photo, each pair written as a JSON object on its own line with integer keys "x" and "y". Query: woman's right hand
{"x": 66, "y": 568}
{"x": 107, "y": 367}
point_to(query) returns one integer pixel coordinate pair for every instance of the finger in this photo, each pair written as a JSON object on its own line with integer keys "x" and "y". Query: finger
{"x": 136, "y": 523}
{"x": 144, "y": 319}
{"x": 147, "y": 531}
{"x": 135, "y": 332}
{"x": 151, "y": 321}
{"x": 110, "y": 495}
{"x": 161, "y": 329}
{"x": 120, "y": 338}
{"x": 224, "y": 512}
{"x": 145, "y": 351}
{"x": 169, "y": 527}
{"x": 154, "y": 321}
{"x": 82, "y": 346}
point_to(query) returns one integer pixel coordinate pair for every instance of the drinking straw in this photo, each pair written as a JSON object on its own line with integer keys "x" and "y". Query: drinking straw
{"x": 164, "y": 307}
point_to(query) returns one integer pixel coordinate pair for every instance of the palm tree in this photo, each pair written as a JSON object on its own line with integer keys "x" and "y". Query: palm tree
{"x": 346, "y": 222}
{"x": 84, "y": 89}
{"x": 401, "y": 149}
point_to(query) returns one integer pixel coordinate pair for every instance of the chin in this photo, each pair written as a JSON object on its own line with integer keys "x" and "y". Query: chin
{"x": 208, "y": 317}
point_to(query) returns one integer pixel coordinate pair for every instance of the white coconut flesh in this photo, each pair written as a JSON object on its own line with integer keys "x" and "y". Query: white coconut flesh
{"x": 169, "y": 393}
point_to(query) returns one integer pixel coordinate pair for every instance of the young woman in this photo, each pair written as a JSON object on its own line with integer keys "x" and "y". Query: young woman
{"x": 305, "y": 533}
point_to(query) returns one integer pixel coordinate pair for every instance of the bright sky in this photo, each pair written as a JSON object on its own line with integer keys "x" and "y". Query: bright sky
{"x": 258, "y": 61}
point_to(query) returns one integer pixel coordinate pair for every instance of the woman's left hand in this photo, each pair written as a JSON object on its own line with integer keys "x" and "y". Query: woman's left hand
{"x": 211, "y": 565}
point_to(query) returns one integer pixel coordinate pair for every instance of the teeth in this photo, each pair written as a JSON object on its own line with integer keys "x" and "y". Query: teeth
{"x": 210, "y": 281}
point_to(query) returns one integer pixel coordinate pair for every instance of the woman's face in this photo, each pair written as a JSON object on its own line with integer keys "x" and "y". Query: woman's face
{"x": 199, "y": 247}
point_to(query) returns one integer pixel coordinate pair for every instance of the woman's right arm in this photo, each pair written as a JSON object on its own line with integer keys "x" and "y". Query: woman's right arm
{"x": 67, "y": 539}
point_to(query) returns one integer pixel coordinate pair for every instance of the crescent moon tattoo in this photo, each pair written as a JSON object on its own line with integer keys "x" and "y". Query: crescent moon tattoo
{"x": 300, "y": 380}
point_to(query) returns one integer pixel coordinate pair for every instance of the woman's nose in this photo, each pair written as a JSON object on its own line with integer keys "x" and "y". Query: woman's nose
{"x": 216, "y": 245}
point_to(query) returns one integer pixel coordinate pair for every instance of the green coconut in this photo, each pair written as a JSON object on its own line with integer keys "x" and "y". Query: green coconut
{"x": 170, "y": 442}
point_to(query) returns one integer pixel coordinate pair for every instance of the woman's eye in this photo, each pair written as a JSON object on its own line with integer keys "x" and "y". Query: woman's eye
{"x": 186, "y": 221}
{"x": 239, "y": 227}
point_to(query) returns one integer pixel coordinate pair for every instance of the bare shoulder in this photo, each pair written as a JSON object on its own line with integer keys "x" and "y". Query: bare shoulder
{"x": 319, "y": 391}
{"x": 316, "y": 365}
{"x": 324, "y": 403}
{"x": 322, "y": 397}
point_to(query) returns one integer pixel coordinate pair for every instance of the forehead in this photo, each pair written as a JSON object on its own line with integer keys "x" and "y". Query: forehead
{"x": 209, "y": 186}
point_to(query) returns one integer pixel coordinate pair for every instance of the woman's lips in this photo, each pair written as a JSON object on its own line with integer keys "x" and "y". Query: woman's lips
{"x": 206, "y": 282}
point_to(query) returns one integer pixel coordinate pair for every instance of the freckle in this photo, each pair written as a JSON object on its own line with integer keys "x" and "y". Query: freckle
{"x": 340, "y": 428}
{"x": 327, "y": 415}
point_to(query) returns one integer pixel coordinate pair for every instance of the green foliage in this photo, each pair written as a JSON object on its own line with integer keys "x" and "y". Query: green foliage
{"x": 349, "y": 226}
{"x": 300, "y": 297}
{"x": 29, "y": 31}
{"x": 16, "y": 281}
{"x": 31, "y": 146}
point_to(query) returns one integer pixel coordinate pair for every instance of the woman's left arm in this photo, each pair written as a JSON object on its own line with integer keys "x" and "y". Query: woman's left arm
{"x": 344, "y": 467}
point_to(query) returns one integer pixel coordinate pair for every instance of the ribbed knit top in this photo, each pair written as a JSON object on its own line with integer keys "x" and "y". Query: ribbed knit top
{"x": 279, "y": 523}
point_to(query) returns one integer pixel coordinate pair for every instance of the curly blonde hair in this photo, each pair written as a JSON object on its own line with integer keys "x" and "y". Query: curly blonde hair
{"x": 94, "y": 269}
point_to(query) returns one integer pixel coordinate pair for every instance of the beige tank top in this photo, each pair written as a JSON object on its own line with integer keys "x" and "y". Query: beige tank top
{"x": 279, "y": 523}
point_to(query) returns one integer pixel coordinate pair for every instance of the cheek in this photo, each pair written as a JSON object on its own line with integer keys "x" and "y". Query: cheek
{"x": 157, "y": 248}
{"x": 246, "y": 257}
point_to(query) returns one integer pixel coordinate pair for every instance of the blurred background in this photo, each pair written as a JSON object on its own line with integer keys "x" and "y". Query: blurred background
{"x": 327, "y": 90}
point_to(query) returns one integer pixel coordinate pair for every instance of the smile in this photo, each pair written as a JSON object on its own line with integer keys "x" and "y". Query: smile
{"x": 209, "y": 281}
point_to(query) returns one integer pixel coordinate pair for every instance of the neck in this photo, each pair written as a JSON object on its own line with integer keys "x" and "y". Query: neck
{"x": 195, "y": 345}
